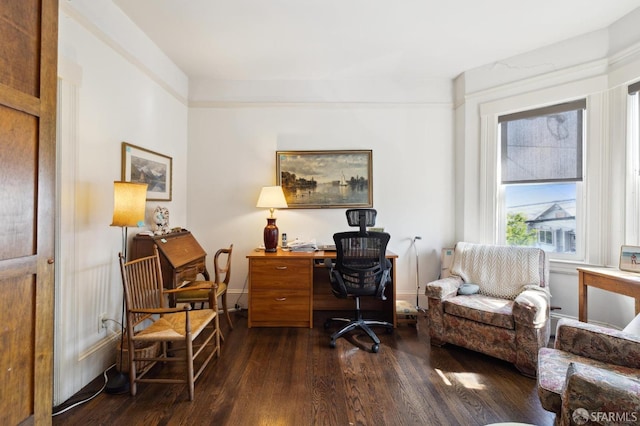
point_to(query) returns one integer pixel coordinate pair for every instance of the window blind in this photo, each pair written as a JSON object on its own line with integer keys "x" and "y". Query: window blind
{"x": 543, "y": 145}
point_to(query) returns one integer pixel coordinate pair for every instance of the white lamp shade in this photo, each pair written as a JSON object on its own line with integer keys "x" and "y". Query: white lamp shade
{"x": 129, "y": 202}
{"x": 272, "y": 197}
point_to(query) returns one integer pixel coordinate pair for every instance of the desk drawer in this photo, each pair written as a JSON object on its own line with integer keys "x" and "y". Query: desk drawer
{"x": 280, "y": 273}
{"x": 280, "y": 307}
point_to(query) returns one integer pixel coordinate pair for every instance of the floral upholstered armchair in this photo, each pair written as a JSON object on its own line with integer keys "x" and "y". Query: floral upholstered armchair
{"x": 508, "y": 315}
{"x": 592, "y": 374}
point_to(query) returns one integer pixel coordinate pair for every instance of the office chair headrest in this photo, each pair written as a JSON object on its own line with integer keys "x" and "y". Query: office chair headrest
{"x": 361, "y": 218}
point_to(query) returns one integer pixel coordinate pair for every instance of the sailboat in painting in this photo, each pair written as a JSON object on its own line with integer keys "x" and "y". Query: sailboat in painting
{"x": 343, "y": 181}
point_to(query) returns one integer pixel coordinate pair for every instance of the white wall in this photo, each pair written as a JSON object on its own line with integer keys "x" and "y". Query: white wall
{"x": 596, "y": 66}
{"x": 105, "y": 98}
{"x": 232, "y": 153}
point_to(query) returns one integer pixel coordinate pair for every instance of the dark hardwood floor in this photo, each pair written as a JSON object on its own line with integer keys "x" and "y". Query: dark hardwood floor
{"x": 290, "y": 376}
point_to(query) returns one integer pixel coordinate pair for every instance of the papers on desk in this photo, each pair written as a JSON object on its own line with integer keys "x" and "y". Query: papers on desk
{"x": 303, "y": 246}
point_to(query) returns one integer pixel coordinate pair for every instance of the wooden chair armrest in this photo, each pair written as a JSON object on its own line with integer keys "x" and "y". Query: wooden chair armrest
{"x": 207, "y": 285}
{"x": 161, "y": 310}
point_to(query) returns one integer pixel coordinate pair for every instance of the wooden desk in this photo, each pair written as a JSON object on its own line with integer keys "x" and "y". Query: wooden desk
{"x": 286, "y": 287}
{"x": 610, "y": 279}
{"x": 181, "y": 257}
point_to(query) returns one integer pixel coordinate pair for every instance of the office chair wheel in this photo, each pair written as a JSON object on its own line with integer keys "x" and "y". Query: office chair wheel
{"x": 332, "y": 344}
{"x": 375, "y": 348}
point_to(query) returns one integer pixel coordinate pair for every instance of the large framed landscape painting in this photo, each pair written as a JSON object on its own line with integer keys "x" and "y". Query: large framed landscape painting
{"x": 326, "y": 179}
{"x": 143, "y": 166}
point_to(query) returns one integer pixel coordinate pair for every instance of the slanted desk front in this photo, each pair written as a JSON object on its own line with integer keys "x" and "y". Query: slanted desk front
{"x": 286, "y": 287}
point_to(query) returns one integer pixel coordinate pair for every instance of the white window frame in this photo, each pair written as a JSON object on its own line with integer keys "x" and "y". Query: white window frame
{"x": 501, "y": 219}
{"x": 632, "y": 234}
{"x": 590, "y": 208}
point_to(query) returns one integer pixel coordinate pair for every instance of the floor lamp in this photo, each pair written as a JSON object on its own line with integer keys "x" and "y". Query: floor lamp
{"x": 129, "y": 203}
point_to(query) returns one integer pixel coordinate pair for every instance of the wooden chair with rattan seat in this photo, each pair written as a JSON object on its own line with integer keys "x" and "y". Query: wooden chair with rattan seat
{"x": 190, "y": 337}
{"x": 193, "y": 295}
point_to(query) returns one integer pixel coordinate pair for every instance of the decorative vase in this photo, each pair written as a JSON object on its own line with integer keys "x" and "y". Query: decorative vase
{"x": 271, "y": 236}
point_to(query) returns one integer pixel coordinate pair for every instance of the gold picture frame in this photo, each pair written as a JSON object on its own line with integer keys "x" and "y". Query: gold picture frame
{"x": 326, "y": 179}
{"x": 145, "y": 166}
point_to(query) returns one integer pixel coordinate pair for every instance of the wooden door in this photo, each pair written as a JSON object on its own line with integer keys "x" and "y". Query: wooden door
{"x": 28, "y": 57}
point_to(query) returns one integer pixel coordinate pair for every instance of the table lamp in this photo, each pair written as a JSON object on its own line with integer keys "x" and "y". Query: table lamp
{"x": 129, "y": 203}
{"x": 271, "y": 197}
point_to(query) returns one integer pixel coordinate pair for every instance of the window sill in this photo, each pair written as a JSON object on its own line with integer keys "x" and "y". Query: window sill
{"x": 569, "y": 267}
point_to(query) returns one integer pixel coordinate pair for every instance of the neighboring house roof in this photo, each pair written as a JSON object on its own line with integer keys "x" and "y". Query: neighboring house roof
{"x": 557, "y": 212}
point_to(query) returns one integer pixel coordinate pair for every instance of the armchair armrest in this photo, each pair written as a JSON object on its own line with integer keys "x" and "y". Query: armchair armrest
{"x": 599, "y": 343}
{"x": 443, "y": 288}
{"x": 531, "y": 307}
{"x": 601, "y": 392}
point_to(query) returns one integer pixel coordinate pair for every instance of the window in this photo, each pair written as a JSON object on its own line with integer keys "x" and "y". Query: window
{"x": 541, "y": 174}
{"x": 545, "y": 237}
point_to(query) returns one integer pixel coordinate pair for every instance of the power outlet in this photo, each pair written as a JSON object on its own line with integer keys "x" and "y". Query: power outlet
{"x": 102, "y": 322}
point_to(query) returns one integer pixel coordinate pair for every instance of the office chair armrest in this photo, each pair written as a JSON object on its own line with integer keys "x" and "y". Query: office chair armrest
{"x": 443, "y": 288}
{"x": 161, "y": 310}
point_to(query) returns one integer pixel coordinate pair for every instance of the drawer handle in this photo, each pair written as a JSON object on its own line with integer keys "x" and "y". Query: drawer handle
{"x": 280, "y": 299}
{"x": 281, "y": 268}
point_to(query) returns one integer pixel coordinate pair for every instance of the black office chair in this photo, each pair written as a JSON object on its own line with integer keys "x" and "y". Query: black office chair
{"x": 361, "y": 269}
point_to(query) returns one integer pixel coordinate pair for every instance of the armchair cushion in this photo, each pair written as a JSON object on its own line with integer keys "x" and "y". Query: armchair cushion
{"x": 483, "y": 309}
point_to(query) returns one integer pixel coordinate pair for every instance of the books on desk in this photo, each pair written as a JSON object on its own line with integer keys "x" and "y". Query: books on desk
{"x": 302, "y": 246}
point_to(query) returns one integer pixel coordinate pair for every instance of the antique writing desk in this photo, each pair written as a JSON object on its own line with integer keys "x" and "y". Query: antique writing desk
{"x": 610, "y": 279}
{"x": 286, "y": 287}
{"x": 181, "y": 257}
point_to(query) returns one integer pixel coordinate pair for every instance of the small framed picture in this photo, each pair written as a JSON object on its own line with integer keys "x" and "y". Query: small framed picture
{"x": 630, "y": 258}
{"x": 144, "y": 166}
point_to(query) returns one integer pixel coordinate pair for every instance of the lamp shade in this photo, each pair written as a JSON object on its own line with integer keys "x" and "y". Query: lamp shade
{"x": 129, "y": 202}
{"x": 272, "y": 197}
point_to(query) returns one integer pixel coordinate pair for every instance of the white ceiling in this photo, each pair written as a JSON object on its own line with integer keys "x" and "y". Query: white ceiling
{"x": 359, "y": 39}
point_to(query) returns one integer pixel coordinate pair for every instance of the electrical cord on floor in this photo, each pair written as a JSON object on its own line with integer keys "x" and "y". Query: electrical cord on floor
{"x": 75, "y": 404}
{"x": 244, "y": 287}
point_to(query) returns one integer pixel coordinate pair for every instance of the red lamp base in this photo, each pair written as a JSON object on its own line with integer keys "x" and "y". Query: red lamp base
{"x": 271, "y": 236}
